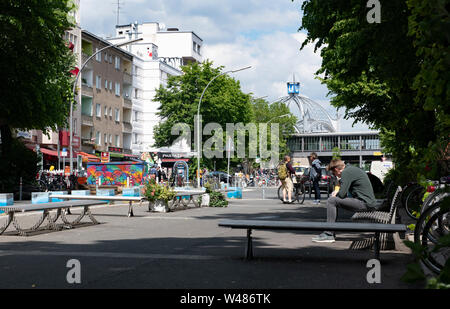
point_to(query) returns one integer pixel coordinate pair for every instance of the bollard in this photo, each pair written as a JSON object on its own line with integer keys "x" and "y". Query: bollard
{"x": 20, "y": 189}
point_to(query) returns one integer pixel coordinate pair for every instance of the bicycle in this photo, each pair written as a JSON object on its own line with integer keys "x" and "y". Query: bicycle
{"x": 298, "y": 193}
{"x": 433, "y": 224}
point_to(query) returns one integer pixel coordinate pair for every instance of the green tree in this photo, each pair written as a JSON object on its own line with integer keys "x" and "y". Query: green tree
{"x": 223, "y": 102}
{"x": 35, "y": 91}
{"x": 374, "y": 70}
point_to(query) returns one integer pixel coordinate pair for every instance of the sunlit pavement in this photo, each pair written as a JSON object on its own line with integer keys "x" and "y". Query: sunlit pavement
{"x": 187, "y": 249}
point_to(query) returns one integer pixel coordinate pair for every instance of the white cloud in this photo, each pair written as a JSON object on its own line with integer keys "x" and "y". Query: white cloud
{"x": 236, "y": 34}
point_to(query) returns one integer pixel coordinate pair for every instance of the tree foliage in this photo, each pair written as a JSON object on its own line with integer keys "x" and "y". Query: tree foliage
{"x": 392, "y": 75}
{"x": 223, "y": 102}
{"x": 35, "y": 91}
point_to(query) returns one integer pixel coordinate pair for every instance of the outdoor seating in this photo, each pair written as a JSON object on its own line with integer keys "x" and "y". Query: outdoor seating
{"x": 250, "y": 225}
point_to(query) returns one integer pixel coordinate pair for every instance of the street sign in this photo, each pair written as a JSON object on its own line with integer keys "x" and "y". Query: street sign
{"x": 104, "y": 157}
{"x": 63, "y": 152}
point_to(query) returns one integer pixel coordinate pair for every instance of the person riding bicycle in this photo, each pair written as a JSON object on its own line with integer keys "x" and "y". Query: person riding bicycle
{"x": 285, "y": 172}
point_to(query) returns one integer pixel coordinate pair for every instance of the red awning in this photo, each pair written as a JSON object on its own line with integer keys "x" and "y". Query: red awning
{"x": 49, "y": 152}
{"x": 89, "y": 157}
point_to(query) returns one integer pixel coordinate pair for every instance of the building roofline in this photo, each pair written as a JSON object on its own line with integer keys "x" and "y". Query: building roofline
{"x": 337, "y": 133}
{"x": 106, "y": 42}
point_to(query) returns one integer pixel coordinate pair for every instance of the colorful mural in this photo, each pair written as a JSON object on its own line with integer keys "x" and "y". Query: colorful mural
{"x": 116, "y": 173}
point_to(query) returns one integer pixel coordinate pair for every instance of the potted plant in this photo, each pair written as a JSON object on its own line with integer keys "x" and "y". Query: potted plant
{"x": 158, "y": 195}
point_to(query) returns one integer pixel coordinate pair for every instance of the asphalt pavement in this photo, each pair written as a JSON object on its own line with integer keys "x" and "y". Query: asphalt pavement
{"x": 186, "y": 249}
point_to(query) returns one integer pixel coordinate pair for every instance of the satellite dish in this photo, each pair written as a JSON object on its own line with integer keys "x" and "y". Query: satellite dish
{"x": 162, "y": 26}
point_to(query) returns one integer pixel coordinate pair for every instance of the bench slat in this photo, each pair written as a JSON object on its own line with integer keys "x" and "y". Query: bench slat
{"x": 48, "y": 206}
{"x": 313, "y": 226}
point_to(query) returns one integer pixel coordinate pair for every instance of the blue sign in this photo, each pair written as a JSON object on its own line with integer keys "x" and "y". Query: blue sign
{"x": 293, "y": 88}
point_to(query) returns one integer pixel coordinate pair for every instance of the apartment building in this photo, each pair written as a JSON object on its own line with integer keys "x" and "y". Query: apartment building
{"x": 106, "y": 105}
{"x": 158, "y": 56}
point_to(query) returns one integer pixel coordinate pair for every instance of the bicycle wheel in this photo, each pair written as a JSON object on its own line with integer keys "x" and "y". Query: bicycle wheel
{"x": 439, "y": 228}
{"x": 280, "y": 193}
{"x": 414, "y": 202}
{"x": 300, "y": 194}
{"x": 436, "y": 227}
{"x": 406, "y": 190}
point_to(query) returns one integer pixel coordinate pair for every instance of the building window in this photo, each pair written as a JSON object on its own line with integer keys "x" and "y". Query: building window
{"x": 136, "y": 93}
{"x": 105, "y": 138}
{"x": 110, "y": 139}
{"x": 110, "y": 112}
{"x": 106, "y": 84}
{"x": 98, "y": 56}
{"x": 135, "y": 116}
{"x": 98, "y": 110}
{"x": 106, "y": 111}
{"x": 110, "y": 85}
{"x": 118, "y": 89}
{"x": 117, "y": 64}
{"x": 98, "y": 82}
{"x": 97, "y": 138}
{"x": 117, "y": 141}
{"x": 117, "y": 115}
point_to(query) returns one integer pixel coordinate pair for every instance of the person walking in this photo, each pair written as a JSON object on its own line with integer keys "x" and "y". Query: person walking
{"x": 315, "y": 174}
{"x": 354, "y": 181}
{"x": 285, "y": 172}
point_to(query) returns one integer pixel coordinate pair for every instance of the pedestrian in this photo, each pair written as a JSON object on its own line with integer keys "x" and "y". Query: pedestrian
{"x": 314, "y": 175}
{"x": 354, "y": 182}
{"x": 285, "y": 172}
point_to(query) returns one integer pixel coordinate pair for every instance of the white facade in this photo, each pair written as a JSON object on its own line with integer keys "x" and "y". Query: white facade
{"x": 159, "y": 55}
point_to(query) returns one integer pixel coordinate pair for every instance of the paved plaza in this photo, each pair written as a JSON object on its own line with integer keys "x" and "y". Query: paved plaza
{"x": 186, "y": 249}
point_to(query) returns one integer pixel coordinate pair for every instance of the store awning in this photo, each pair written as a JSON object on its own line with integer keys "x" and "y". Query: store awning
{"x": 49, "y": 152}
{"x": 89, "y": 157}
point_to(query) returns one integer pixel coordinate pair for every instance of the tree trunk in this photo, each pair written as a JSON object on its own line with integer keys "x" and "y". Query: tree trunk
{"x": 6, "y": 135}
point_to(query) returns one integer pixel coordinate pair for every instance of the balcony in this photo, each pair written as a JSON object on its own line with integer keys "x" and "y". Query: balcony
{"x": 86, "y": 120}
{"x": 127, "y": 102}
{"x": 127, "y": 79}
{"x": 127, "y": 127}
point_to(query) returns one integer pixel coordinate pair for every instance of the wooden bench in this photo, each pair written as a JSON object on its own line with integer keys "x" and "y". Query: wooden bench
{"x": 250, "y": 225}
{"x": 46, "y": 208}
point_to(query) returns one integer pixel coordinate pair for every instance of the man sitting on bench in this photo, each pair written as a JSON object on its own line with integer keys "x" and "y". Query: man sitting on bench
{"x": 353, "y": 181}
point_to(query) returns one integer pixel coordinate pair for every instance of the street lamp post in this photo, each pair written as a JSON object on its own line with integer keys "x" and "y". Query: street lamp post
{"x": 74, "y": 88}
{"x": 198, "y": 119}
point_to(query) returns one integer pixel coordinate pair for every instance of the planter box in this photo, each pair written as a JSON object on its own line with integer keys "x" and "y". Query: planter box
{"x": 159, "y": 206}
{"x": 80, "y": 192}
{"x": 205, "y": 200}
{"x": 135, "y": 191}
{"x": 6, "y": 199}
{"x": 235, "y": 192}
{"x": 55, "y": 193}
{"x": 40, "y": 197}
{"x": 105, "y": 192}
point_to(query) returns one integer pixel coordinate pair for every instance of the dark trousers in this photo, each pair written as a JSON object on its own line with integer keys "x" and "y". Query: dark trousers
{"x": 351, "y": 204}
{"x": 316, "y": 187}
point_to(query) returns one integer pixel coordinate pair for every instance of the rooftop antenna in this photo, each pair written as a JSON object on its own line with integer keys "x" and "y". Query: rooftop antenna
{"x": 118, "y": 3}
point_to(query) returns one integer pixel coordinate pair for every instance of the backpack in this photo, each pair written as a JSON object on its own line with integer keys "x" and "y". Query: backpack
{"x": 282, "y": 172}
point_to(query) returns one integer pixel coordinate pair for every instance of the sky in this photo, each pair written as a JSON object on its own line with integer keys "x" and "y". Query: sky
{"x": 236, "y": 33}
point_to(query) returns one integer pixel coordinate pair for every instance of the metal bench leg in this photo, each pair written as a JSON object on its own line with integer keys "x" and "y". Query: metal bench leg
{"x": 249, "y": 249}
{"x": 88, "y": 212}
{"x": 376, "y": 245}
{"x": 7, "y": 223}
{"x": 130, "y": 210}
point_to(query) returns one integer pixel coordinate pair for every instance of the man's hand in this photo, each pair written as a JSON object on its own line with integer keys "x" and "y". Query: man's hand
{"x": 334, "y": 193}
